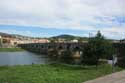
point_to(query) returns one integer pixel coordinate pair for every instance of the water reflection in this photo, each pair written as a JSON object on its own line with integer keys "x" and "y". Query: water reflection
{"x": 21, "y": 58}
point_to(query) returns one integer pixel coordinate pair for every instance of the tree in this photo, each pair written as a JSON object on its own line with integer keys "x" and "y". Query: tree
{"x": 97, "y": 48}
{"x": 88, "y": 58}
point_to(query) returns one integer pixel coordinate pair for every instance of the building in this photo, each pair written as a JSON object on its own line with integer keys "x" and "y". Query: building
{"x": 75, "y": 41}
{"x": 40, "y": 41}
{"x": 12, "y": 41}
{"x": 61, "y": 40}
{"x": 0, "y": 41}
{"x": 122, "y": 41}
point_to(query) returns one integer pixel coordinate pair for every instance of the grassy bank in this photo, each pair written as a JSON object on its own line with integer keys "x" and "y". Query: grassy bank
{"x": 10, "y": 49}
{"x": 51, "y": 73}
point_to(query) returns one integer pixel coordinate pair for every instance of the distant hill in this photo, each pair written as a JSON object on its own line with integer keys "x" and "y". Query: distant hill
{"x": 64, "y": 36}
{"x": 5, "y": 34}
{"x": 13, "y": 35}
{"x": 69, "y": 37}
{"x": 20, "y": 36}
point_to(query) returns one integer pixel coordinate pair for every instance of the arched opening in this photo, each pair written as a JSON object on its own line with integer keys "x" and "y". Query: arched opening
{"x": 60, "y": 47}
{"x": 68, "y": 46}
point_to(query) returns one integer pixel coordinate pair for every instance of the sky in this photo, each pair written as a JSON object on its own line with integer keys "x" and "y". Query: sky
{"x": 45, "y": 18}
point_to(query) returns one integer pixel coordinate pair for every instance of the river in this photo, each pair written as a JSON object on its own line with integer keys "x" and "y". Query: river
{"x": 21, "y": 58}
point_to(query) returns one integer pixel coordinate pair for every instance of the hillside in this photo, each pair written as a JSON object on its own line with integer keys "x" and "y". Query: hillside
{"x": 69, "y": 37}
{"x": 13, "y": 35}
{"x": 5, "y": 34}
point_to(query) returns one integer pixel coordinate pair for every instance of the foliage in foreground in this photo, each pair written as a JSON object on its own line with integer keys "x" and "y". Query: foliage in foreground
{"x": 54, "y": 73}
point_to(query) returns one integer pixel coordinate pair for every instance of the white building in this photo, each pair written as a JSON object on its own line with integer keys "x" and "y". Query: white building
{"x": 0, "y": 41}
{"x": 75, "y": 41}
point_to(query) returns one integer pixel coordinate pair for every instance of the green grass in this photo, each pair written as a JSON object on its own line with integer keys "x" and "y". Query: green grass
{"x": 10, "y": 49}
{"x": 55, "y": 73}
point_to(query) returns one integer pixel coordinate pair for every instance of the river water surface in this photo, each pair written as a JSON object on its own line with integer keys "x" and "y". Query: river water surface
{"x": 21, "y": 58}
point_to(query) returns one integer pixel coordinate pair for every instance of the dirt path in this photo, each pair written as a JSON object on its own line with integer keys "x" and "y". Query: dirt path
{"x": 118, "y": 77}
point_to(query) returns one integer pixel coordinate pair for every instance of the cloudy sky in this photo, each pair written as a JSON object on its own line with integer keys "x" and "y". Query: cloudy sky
{"x": 44, "y": 18}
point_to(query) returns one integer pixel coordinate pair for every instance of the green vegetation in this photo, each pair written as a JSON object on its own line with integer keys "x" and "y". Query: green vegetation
{"x": 68, "y": 38}
{"x": 10, "y": 49}
{"x": 54, "y": 73}
{"x": 97, "y": 48}
{"x": 121, "y": 61}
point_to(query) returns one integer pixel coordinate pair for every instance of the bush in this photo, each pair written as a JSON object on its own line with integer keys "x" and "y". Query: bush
{"x": 88, "y": 58}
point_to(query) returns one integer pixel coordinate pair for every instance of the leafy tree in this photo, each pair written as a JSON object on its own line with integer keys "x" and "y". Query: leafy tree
{"x": 88, "y": 58}
{"x": 97, "y": 48}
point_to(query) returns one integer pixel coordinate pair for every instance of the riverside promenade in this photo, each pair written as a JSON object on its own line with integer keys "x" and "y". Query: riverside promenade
{"x": 118, "y": 77}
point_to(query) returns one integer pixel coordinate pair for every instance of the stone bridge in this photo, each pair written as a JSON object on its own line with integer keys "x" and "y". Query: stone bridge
{"x": 46, "y": 47}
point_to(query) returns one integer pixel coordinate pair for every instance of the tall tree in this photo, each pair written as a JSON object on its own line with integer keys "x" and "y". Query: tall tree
{"x": 98, "y": 47}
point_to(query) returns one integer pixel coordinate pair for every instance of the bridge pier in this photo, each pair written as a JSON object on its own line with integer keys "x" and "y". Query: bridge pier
{"x": 77, "y": 57}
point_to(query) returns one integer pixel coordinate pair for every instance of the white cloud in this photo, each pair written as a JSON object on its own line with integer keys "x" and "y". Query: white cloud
{"x": 62, "y": 13}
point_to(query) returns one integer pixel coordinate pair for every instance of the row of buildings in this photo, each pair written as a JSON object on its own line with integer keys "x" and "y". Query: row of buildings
{"x": 7, "y": 41}
{"x": 13, "y": 41}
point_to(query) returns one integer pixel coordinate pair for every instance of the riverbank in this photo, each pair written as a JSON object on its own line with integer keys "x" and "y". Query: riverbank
{"x": 10, "y": 49}
{"x": 56, "y": 73}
